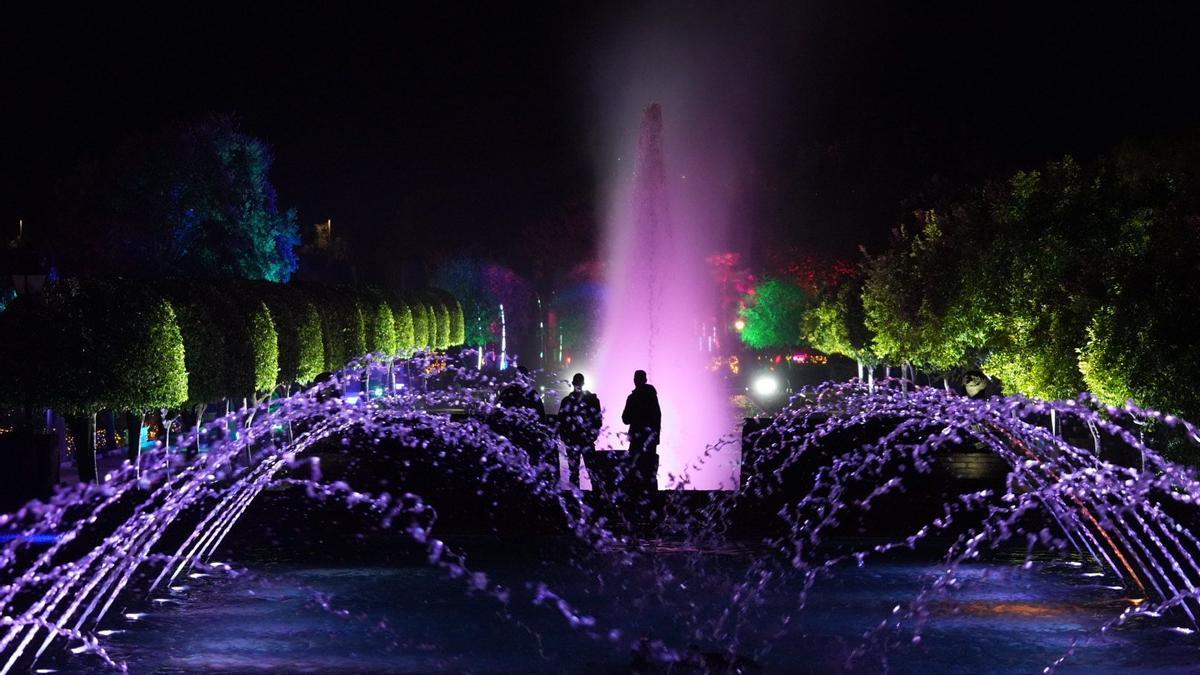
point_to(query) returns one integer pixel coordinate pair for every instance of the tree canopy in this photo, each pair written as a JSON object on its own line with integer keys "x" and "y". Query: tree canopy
{"x": 772, "y": 313}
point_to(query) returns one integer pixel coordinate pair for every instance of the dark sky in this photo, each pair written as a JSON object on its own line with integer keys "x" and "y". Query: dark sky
{"x": 471, "y": 121}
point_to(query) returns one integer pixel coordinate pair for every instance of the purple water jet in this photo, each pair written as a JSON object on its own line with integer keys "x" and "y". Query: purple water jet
{"x": 658, "y": 300}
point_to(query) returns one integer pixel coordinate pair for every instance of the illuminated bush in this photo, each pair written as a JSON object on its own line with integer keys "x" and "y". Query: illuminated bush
{"x": 456, "y": 331}
{"x": 773, "y": 314}
{"x": 402, "y": 318}
{"x": 439, "y": 335}
{"x": 421, "y": 322}
{"x": 253, "y": 348}
{"x": 381, "y": 327}
{"x": 298, "y": 326}
{"x": 200, "y": 311}
{"x": 85, "y": 347}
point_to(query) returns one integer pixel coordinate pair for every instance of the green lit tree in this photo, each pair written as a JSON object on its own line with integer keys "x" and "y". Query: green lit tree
{"x": 402, "y": 316}
{"x": 381, "y": 324}
{"x": 773, "y": 313}
{"x": 68, "y": 350}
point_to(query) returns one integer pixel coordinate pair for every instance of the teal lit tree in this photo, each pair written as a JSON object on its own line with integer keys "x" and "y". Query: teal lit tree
{"x": 194, "y": 202}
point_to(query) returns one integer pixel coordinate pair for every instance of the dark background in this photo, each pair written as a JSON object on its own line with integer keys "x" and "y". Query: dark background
{"x": 464, "y": 127}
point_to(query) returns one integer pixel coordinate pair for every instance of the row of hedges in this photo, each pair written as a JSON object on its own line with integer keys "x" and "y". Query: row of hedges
{"x": 85, "y": 346}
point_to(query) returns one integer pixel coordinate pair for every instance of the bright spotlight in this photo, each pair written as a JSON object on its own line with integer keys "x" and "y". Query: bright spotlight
{"x": 739, "y": 325}
{"x": 766, "y": 386}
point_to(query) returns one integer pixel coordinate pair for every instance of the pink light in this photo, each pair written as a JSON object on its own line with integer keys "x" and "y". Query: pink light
{"x": 659, "y": 290}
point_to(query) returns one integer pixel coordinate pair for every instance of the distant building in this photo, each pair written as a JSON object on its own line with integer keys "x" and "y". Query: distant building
{"x": 23, "y": 267}
{"x": 325, "y": 259}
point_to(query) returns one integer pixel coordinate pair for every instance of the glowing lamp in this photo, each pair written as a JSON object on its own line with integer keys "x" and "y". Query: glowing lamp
{"x": 766, "y": 386}
{"x": 739, "y": 325}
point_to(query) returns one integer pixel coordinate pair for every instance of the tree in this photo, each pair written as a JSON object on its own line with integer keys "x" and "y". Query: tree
{"x": 772, "y": 313}
{"x": 381, "y": 326}
{"x": 422, "y": 322}
{"x": 298, "y": 325}
{"x": 465, "y": 279}
{"x": 402, "y": 316}
{"x": 69, "y": 350}
{"x": 1053, "y": 226}
{"x": 837, "y": 324}
{"x": 200, "y": 309}
{"x": 195, "y": 202}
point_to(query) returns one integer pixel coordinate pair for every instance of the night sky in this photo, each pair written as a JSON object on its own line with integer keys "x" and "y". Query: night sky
{"x": 473, "y": 122}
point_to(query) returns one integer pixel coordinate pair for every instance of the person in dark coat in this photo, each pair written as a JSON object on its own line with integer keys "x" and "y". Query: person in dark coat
{"x": 522, "y": 394}
{"x": 579, "y": 422}
{"x": 520, "y": 416}
{"x": 644, "y": 418}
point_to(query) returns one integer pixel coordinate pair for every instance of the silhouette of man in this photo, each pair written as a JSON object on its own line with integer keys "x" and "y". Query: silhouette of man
{"x": 644, "y": 418}
{"x": 579, "y": 423}
{"x": 512, "y": 419}
{"x": 522, "y": 394}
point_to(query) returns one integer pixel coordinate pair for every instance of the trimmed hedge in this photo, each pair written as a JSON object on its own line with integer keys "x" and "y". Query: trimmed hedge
{"x": 199, "y": 309}
{"x": 421, "y": 323}
{"x": 381, "y": 326}
{"x": 301, "y": 349}
{"x": 85, "y": 346}
{"x": 402, "y": 316}
{"x": 456, "y": 330}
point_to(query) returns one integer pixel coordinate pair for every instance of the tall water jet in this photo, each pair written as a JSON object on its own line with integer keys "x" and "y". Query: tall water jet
{"x": 658, "y": 299}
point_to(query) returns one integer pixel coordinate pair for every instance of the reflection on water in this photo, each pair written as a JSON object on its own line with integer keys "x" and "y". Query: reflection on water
{"x": 412, "y": 620}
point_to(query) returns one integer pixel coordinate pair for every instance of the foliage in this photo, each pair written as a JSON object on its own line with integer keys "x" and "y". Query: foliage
{"x": 343, "y": 329}
{"x": 458, "y": 334}
{"x": 772, "y": 314}
{"x": 84, "y": 347}
{"x": 312, "y": 346}
{"x": 914, "y": 298}
{"x": 381, "y": 327}
{"x": 465, "y": 278}
{"x": 479, "y": 289}
{"x": 200, "y": 310}
{"x": 265, "y": 339}
{"x": 298, "y": 326}
{"x": 577, "y": 313}
{"x": 1060, "y": 278}
{"x": 252, "y": 345}
{"x": 1140, "y": 346}
{"x": 439, "y": 320}
{"x": 402, "y": 317}
{"x": 197, "y": 202}
{"x": 422, "y": 320}
{"x": 837, "y": 325}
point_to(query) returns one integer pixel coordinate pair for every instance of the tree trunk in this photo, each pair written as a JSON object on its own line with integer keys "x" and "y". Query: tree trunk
{"x": 201, "y": 411}
{"x": 860, "y": 369}
{"x": 110, "y": 430}
{"x": 84, "y": 429}
{"x": 133, "y": 434}
{"x": 60, "y": 441}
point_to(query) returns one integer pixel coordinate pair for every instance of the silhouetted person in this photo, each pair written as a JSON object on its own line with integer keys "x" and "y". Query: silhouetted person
{"x": 519, "y": 417}
{"x": 644, "y": 418}
{"x": 579, "y": 423}
{"x": 522, "y": 394}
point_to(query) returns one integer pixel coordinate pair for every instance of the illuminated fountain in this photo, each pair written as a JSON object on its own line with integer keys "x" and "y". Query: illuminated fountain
{"x": 708, "y": 592}
{"x": 657, "y": 299}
